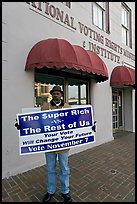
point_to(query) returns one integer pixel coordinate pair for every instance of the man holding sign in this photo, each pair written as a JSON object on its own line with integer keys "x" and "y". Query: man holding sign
{"x": 54, "y": 130}
{"x": 51, "y": 157}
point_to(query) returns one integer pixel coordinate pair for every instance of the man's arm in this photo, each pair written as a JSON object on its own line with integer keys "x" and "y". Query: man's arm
{"x": 66, "y": 105}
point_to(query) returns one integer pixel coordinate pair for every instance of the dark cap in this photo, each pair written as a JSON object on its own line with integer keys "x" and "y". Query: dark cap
{"x": 56, "y": 88}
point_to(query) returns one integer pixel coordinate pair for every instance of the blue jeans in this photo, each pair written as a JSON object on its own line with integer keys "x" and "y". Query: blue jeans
{"x": 51, "y": 160}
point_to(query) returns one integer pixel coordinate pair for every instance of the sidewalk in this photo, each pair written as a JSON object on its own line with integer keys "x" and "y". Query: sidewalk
{"x": 105, "y": 173}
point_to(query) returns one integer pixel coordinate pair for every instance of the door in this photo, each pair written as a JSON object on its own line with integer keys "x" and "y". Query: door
{"x": 117, "y": 110}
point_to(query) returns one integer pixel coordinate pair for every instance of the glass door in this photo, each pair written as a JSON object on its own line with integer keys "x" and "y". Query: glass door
{"x": 115, "y": 110}
{"x": 117, "y": 118}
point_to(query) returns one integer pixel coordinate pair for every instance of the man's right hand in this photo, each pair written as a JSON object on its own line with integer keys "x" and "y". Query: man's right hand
{"x": 17, "y": 125}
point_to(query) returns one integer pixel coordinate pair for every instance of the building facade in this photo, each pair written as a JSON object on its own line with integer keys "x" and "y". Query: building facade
{"x": 88, "y": 48}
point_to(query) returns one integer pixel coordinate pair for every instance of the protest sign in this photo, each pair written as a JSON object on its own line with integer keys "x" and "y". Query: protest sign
{"x": 53, "y": 130}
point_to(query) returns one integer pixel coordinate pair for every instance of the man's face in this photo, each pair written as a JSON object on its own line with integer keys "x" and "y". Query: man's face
{"x": 56, "y": 95}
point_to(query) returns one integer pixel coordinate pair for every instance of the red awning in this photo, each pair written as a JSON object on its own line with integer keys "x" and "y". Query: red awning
{"x": 59, "y": 53}
{"x": 122, "y": 75}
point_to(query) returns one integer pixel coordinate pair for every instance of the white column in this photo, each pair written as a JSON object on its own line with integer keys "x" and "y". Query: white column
{"x": 133, "y": 108}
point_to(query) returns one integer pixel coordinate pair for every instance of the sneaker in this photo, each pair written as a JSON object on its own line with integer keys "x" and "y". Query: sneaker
{"x": 47, "y": 197}
{"x": 67, "y": 197}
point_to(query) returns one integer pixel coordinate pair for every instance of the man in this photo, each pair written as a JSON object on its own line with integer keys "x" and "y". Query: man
{"x": 51, "y": 157}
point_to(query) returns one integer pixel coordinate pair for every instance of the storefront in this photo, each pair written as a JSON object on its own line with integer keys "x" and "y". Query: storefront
{"x": 91, "y": 56}
{"x": 122, "y": 81}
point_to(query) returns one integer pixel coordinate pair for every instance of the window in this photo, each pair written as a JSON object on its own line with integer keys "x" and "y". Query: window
{"x": 100, "y": 13}
{"x": 68, "y": 4}
{"x": 43, "y": 84}
{"x": 75, "y": 90}
{"x": 126, "y": 25}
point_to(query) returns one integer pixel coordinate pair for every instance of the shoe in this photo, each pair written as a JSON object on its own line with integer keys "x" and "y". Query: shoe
{"x": 47, "y": 197}
{"x": 67, "y": 197}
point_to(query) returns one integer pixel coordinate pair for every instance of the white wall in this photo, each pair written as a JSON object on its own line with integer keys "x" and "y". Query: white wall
{"x": 128, "y": 114}
{"x": 18, "y": 93}
{"x": 129, "y": 109}
{"x": 133, "y": 108}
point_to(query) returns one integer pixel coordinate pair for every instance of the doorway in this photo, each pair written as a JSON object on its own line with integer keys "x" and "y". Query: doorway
{"x": 117, "y": 110}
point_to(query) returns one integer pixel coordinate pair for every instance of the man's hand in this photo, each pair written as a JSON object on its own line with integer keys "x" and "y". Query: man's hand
{"x": 17, "y": 125}
{"x": 94, "y": 126}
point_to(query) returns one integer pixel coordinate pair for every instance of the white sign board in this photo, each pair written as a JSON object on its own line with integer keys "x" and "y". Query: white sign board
{"x": 53, "y": 130}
